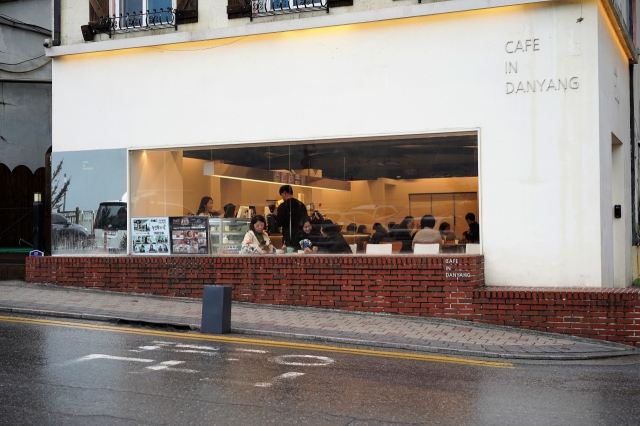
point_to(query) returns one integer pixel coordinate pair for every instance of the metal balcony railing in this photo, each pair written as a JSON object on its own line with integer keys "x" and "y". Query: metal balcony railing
{"x": 260, "y": 8}
{"x": 133, "y": 22}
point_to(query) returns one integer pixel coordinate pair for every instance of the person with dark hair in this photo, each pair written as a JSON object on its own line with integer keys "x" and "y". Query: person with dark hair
{"x": 473, "y": 234}
{"x": 403, "y": 232}
{"x": 256, "y": 240}
{"x": 332, "y": 241}
{"x": 379, "y": 234}
{"x": 351, "y": 228}
{"x": 362, "y": 229}
{"x": 289, "y": 214}
{"x": 426, "y": 234}
{"x": 446, "y": 233}
{"x": 305, "y": 239}
{"x": 206, "y": 208}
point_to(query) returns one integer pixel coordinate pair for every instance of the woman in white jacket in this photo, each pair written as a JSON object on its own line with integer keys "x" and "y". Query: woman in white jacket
{"x": 256, "y": 240}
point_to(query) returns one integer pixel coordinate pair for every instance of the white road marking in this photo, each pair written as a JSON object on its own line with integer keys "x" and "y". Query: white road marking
{"x": 102, "y": 356}
{"x": 167, "y": 366}
{"x": 204, "y": 348}
{"x": 164, "y": 365}
{"x": 148, "y": 348}
{"x": 233, "y": 359}
{"x": 192, "y": 351}
{"x": 255, "y": 351}
{"x": 290, "y": 375}
{"x": 321, "y": 360}
{"x": 181, "y": 370}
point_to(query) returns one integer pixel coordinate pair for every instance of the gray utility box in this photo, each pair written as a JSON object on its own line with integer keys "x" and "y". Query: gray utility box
{"x": 216, "y": 309}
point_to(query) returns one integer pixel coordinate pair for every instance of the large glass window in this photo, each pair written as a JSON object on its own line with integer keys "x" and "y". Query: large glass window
{"x": 89, "y": 202}
{"x": 363, "y": 186}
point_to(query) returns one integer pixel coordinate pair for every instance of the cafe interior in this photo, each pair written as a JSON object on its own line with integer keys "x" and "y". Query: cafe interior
{"x": 351, "y": 182}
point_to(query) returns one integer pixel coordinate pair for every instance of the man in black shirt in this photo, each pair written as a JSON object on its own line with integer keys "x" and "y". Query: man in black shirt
{"x": 473, "y": 234}
{"x": 289, "y": 214}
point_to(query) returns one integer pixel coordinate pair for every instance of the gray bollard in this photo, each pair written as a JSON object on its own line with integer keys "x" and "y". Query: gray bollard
{"x": 216, "y": 309}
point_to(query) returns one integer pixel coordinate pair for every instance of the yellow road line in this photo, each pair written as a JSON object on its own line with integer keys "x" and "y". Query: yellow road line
{"x": 258, "y": 342}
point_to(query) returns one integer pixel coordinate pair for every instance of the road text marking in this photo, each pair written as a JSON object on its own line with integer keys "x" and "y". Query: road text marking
{"x": 285, "y": 360}
{"x": 291, "y": 375}
{"x": 102, "y": 356}
{"x": 258, "y": 342}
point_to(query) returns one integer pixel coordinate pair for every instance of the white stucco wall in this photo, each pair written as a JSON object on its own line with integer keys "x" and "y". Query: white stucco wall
{"x": 211, "y": 14}
{"x": 615, "y": 183}
{"x": 539, "y": 155}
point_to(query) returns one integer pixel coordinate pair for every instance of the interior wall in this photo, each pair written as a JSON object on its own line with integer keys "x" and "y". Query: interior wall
{"x": 156, "y": 183}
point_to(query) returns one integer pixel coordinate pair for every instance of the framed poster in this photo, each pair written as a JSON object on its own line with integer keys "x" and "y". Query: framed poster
{"x": 150, "y": 235}
{"x": 189, "y": 234}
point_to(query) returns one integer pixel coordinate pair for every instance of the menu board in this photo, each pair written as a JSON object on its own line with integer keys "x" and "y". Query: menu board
{"x": 150, "y": 235}
{"x": 189, "y": 235}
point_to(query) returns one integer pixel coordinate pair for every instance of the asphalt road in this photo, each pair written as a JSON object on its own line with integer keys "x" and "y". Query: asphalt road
{"x": 83, "y": 373}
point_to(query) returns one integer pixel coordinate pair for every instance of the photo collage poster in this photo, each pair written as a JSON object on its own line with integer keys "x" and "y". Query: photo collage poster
{"x": 150, "y": 235}
{"x": 189, "y": 235}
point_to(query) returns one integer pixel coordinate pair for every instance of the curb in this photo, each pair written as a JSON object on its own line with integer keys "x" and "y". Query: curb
{"x": 431, "y": 320}
{"x": 416, "y": 348}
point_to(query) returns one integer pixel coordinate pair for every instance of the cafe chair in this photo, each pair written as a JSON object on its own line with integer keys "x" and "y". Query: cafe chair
{"x": 379, "y": 249}
{"x": 422, "y": 248}
{"x": 396, "y": 246}
{"x": 354, "y": 248}
{"x": 473, "y": 249}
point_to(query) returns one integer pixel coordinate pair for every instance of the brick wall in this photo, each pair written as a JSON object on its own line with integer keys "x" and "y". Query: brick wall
{"x": 600, "y": 313}
{"x": 436, "y": 286}
{"x": 404, "y": 285}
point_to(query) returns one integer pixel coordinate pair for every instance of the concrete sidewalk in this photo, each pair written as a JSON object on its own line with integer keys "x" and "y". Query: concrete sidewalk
{"x": 390, "y": 331}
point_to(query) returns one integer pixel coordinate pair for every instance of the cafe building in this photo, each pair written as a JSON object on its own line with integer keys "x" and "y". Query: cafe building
{"x": 517, "y": 112}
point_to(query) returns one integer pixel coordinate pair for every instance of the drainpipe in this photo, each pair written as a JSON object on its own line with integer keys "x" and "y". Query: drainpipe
{"x": 56, "y": 23}
{"x": 634, "y": 234}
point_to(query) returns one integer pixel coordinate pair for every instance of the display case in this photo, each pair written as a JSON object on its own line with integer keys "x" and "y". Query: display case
{"x": 226, "y": 234}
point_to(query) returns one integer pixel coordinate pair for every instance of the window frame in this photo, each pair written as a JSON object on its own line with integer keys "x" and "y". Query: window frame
{"x": 145, "y": 7}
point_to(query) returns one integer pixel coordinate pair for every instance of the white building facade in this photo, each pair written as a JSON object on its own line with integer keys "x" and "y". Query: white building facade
{"x": 541, "y": 91}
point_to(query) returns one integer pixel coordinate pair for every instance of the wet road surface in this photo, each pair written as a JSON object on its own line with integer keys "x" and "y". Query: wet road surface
{"x": 65, "y": 373}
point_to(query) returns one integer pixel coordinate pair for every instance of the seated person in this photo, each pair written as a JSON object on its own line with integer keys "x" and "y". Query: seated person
{"x": 404, "y": 232}
{"x": 446, "y": 233}
{"x": 473, "y": 234}
{"x": 305, "y": 239}
{"x": 332, "y": 241}
{"x": 426, "y": 234}
{"x": 256, "y": 240}
{"x": 362, "y": 229}
{"x": 379, "y": 234}
{"x": 351, "y": 228}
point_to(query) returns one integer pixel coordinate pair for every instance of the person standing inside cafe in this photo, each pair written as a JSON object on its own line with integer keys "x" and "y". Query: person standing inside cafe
{"x": 289, "y": 214}
{"x": 473, "y": 234}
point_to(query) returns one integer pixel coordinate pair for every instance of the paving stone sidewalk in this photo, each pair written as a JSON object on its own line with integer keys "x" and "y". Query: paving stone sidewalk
{"x": 419, "y": 334}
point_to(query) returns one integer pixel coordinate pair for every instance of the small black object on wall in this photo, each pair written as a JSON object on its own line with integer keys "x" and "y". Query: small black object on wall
{"x": 617, "y": 211}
